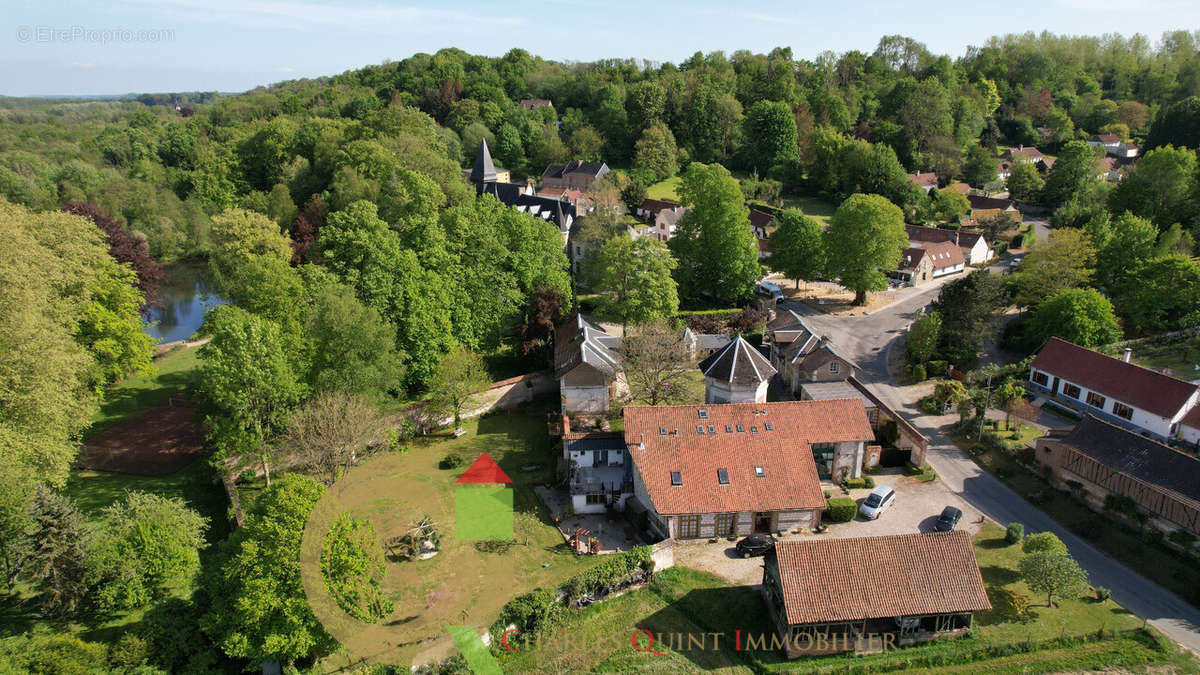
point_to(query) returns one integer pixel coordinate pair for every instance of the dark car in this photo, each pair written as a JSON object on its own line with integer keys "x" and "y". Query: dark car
{"x": 948, "y": 519}
{"x": 755, "y": 544}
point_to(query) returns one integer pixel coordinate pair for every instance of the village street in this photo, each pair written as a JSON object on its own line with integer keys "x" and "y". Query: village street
{"x": 868, "y": 340}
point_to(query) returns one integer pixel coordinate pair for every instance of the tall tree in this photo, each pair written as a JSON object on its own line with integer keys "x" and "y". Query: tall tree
{"x": 770, "y": 130}
{"x": 797, "y": 248}
{"x": 16, "y": 521}
{"x": 981, "y": 166}
{"x": 923, "y": 336}
{"x": 864, "y": 241}
{"x": 330, "y": 432}
{"x": 1025, "y": 182}
{"x": 460, "y": 374}
{"x": 544, "y": 310}
{"x": 1177, "y": 124}
{"x": 1065, "y": 260}
{"x": 1159, "y": 187}
{"x": 633, "y": 279}
{"x": 258, "y": 606}
{"x": 713, "y": 244}
{"x": 656, "y": 359}
{"x": 1074, "y": 169}
{"x": 1079, "y": 315}
{"x": 655, "y": 154}
{"x": 125, "y": 247}
{"x": 1160, "y": 295}
{"x": 1128, "y": 247}
{"x": 58, "y": 564}
{"x": 968, "y": 307}
{"x": 353, "y": 348}
{"x": 249, "y": 383}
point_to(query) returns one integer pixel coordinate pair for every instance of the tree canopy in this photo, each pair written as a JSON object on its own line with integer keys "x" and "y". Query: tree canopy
{"x": 864, "y": 241}
{"x": 715, "y": 249}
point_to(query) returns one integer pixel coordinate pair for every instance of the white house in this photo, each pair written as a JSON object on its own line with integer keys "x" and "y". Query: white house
{"x": 1113, "y": 145}
{"x": 1113, "y": 389}
{"x": 737, "y": 373}
{"x": 599, "y": 477}
{"x": 974, "y": 246}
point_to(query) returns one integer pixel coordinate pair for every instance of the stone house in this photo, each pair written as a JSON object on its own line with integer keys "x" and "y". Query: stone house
{"x": 800, "y": 355}
{"x": 737, "y": 373}
{"x": 587, "y": 364}
{"x": 974, "y": 245}
{"x": 575, "y": 174}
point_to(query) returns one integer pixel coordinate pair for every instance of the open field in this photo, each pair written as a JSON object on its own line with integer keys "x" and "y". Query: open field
{"x": 128, "y": 398}
{"x": 682, "y": 600}
{"x": 664, "y": 190}
{"x": 816, "y": 208}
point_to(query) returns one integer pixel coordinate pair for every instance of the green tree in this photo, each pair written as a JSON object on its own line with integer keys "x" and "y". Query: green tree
{"x": 1174, "y": 241}
{"x": 1074, "y": 169}
{"x": 633, "y": 279}
{"x": 1158, "y": 187}
{"x": 1080, "y": 315}
{"x": 61, "y": 553}
{"x": 352, "y": 567}
{"x": 923, "y": 337}
{"x": 1162, "y": 294}
{"x": 1024, "y": 182}
{"x": 949, "y": 206}
{"x": 1043, "y": 542}
{"x": 968, "y": 307}
{"x": 251, "y": 262}
{"x": 1065, "y": 260}
{"x": 15, "y": 524}
{"x": 981, "y": 166}
{"x": 950, "y": 393}
{"x": 460, "y": 374}
{"x": 797, "y": 247}
{"x": 249, "y": 382}
{"x": 770, "y": 130}
{"x": 509, "y": 149}
{"x": 1177, "y": 124}
{"x": 148, "y": 545}
{"x": 332, "y": 430}
{"x": 655, "y": 154}
{"x": 1052, "y": 573}
{"x": 258, "y": 607}
{"x": 1128, "y": 247}
{"x": 1005, "y": 395}
{"x": 713, "y": 244}
{"x": 864, "y": 241}
{"x": 353, "y": 348}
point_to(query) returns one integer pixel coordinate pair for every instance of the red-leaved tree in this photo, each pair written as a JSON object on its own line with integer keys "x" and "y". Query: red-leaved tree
{"x": 125, "y": 247}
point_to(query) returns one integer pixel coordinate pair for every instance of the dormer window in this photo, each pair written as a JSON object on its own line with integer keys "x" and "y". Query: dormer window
{"x": 723, "y": 476}
{"x": 741, "y": 429}
{"x": 703, "y": 414}
{"x": 676, "y": 478}
{"x": 768, "y": 426}
{"x": 662, "y": 431}
{"x": 833, "y": 366}
{"x": 759, "y": 472}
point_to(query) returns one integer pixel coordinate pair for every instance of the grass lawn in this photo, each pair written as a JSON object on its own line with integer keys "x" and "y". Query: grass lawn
{"x": 692, "y": 382}
{"x": 174, "y": 372}
{"x": 1181, "y": 357}
{"x": 465, "y": 583}
{"x": 664, "y": 190}
{"x": 816, "y": 208}
{"x": 1155, "y": 561}
{"x": 681, "y": 600}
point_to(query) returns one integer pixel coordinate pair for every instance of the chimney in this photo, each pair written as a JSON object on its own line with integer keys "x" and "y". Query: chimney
{"x": 1127, "y": 355}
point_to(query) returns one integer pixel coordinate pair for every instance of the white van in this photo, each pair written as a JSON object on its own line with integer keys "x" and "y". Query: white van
{"x": 880, "y": 500}
{"x": 769, "y": 290}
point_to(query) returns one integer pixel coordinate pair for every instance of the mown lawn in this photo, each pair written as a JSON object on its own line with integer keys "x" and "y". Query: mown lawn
{"x": 686, "y": 601}
{"x": 173, "y": 374}
{"x": 816, "y": 208}
{"x": 664, "y": 190}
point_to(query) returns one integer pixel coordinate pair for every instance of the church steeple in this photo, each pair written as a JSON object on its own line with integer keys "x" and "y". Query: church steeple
{"x": 484, "y": 170}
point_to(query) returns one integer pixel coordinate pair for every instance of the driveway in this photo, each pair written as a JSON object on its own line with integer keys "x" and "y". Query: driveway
{"x": 867, "y": 340}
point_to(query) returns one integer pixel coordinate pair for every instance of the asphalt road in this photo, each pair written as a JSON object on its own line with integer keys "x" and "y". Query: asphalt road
{"x": 866, "y": 340}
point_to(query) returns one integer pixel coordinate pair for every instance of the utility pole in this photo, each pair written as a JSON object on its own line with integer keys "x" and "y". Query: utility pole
{"x": 987, "y": 399}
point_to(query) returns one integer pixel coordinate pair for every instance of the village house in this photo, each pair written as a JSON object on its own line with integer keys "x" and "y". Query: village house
{"x": 1113, "y": 389}
{"x": 762, "y": 224}
{"x": 575, "y": 174}
{"x": 1109, "y": 142}
{"x": 983, "y": 208}
{"x": 925, "y": 181}
{"x": 737, "y": 373}
{"x": 661, "y": 218}
{"x": 925, "y": 261}
{"x": 729, "y": 470}
{"x": 830, "y": 595}
{"x": 1099, "y": 459}
{"x": 960, "y": 188}
{"x": 974, "y": 245}
{"x": 488, "y": 179}
{"x": 587, "y": 364}
{"x": 598, "y": 476}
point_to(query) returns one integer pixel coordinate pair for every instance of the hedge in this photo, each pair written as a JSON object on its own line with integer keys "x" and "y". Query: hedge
{"x": 854, "y": 483}
{"x": 918, "y": 372}
{"x": 841, "y": 509}
{"x": 935, "y": 368}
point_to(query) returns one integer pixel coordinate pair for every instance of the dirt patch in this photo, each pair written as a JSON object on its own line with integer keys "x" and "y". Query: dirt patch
{"x": 158, "y": 442}
{"x": 839, "y": 302}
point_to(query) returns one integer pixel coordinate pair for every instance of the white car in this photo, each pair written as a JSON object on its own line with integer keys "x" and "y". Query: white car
{"x": 770, "y": 290}
{"x": 880, "y": 500}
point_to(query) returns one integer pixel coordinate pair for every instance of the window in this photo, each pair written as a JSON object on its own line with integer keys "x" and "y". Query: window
{"x": 768, "y": 427}
{"x": 700, "y": 429}
{"x": 723, "y": 476}
{"x": 662, "y": 431}
{"x": 1095, "y": 400}
{"x": 754, "y": 430}
{"x": 595, "y": 499}
{"x": 741, "y": 429}
{"x": 676, "y": 478}
{"x": 1040, "y": 378}
{"x": 759, "y": 472}
{"x": 712, "y": 429}
{"x": 703, "y": 414}
{"x": 689, "y": 527}
{"x": 1070, "y": 390}
{"x": 1123, "y": 411}
{"x": 728, "y": 429}
{"x": 833, "y": 366}
{"x": 726, "y": 524}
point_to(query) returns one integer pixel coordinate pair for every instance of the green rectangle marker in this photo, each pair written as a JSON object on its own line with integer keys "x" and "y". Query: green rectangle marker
{"x": 483, "y": 513}
{"x": 479, "y": 659}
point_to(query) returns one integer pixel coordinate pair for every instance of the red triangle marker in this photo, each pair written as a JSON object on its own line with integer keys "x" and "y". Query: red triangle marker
{"x": 484, "y": 470}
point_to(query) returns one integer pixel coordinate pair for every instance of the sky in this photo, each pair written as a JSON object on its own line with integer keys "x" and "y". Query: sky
{"x": 135, "y": 46}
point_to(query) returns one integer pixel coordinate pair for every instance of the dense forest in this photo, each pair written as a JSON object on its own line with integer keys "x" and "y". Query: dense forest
{"x": 364, "y": 269}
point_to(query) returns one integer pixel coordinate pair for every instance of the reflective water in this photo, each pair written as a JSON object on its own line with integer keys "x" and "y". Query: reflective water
{"x": 185, "y": 295}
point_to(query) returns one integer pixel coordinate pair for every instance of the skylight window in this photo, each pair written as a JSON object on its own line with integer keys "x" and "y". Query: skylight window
{"x": 768, "y": 426}
{"x": 754, "y": 430}
{"x": 759, "y": 472}
{"x": 700, "y": 428}
{"x": 728, "y": 429}
{"x": 703, "y": 414}
{"x": 723, "y": 476}
{"x": 662, "y": 431}
{"x": 676, "y": 478}
{"x": 741, "y": 429}
{"x": 712, "y": 429}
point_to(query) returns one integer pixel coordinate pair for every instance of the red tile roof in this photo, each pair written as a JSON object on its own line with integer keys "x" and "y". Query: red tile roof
{"x": 924, "y": 179}
{"x": 789, "y": 479}
{"x": 941, "y": 253}
{"x": 827, "y": 580}
{"x": 1131, "y": 384}
{"x": 1030, "y": 153}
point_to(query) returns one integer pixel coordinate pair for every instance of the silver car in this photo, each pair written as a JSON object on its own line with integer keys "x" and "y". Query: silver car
{"x": 880, "y": 500}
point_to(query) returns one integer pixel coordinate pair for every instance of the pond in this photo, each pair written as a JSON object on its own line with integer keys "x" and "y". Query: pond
{"x": 185, "y": 295}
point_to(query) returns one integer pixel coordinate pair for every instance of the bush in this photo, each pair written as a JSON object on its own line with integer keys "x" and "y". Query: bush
{"x": 841, "y": 509}
{"x": 1014, "y": 533}
{"x": 1009, "y": 605}
{"x": 929, "y": 406}
{"x": 1120, "y": 504}
{"x": 854, "y": 483}
{"x": 937, "y": 368}
{"x": 1000, "y": 247}
{"x": 451, "y": 461}
{"x": 1102, "y": 594}
{"x": 869, "y": 483}
{"x": 1017, "y": 240}
{"x": 247, "y": 476}
{"x": 353, "y": 569}
{"x": 1182, "y": 538}
{"x": 917, "y": 372}
{"x": 1047, "y": 542}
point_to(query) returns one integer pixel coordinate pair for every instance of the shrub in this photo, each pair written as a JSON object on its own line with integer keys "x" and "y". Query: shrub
{"x": 1043, "y": 541}
{"x": 1182, "y": 538}
{"x": 1120, "y": 504}
{"x": 841, "y": 509}
{"x": 918, "y": 372}
{"x": 1017, "y": 240}
{"x": 1014, "y": 533}
{"x": 936, "y": 368}
{"x": 1102, "y": 594}
{"x": 1009, "y": 605}
{"x": 451, "y": 461}
{"x": 247, "y": 476}
{"x": 854, "y": 483}
{"x": 869, "y": 483}
{"x": 1000, "y": 247}
{"x": 826, "y": 494}
{"x": 929, "y": 406}
{"x": 353, "y": 569}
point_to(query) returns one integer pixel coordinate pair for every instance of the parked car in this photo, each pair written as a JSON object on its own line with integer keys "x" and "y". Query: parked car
{"x": 880, "y": 500}
{"x": 948, "y": 519}
{"x": 755, "y": 544}
{"x": 770, "y": 290}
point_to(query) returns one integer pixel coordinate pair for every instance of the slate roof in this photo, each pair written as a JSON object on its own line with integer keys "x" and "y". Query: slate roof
{"x": 798, "y": 343}
{"x": 596, "y": 442}
{"x": 941, "y": 253}
{"x": 1133, "y": 454}
{"x": 593, "y": 169}
{"x": 978, "y": 202}
{"x": 1131, "y": 384}
{"x": 912, "y": 258}
{"x": 663, "y": 439}
{"x": 828, "y": 580}
{"x": 928, "y": 179}
{"x": 484, "y": 170}
{"x": 921, "y": 233}
{"x": 824, "y": 391}
{"x": 579, "y": 341}
{"x": 738, "y": 363}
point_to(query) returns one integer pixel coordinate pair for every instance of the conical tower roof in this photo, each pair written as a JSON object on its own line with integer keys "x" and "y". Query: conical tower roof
{"x": 738, "y": 363}
{"x": 484, "y": 170}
